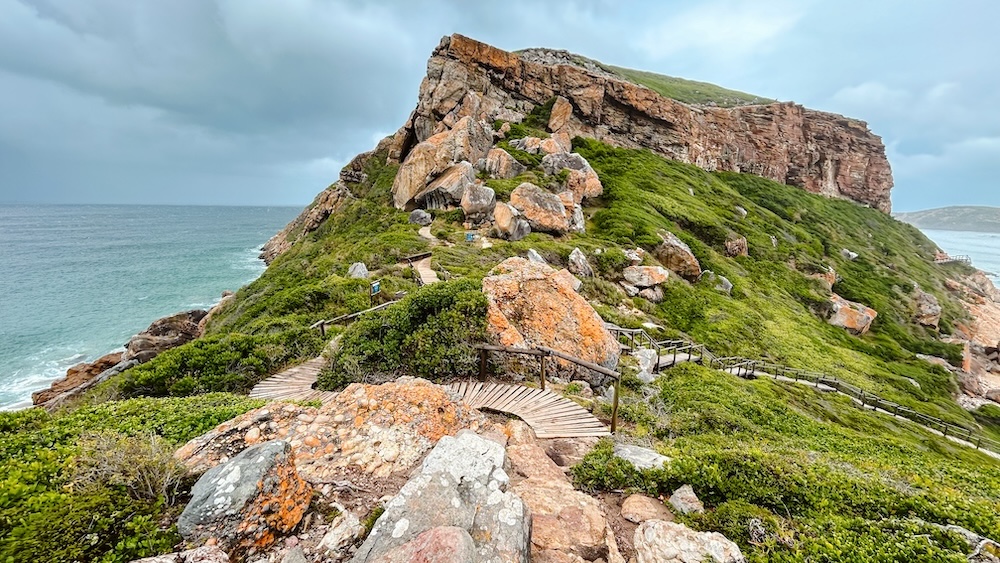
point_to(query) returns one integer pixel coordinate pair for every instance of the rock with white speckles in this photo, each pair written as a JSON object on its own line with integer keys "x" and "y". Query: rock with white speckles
{"x": 461, "y": 484}
{"x": 247, "y": 502}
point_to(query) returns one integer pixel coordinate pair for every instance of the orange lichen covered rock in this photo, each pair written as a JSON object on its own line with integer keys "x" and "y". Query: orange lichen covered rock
{"x": 248, "y": 502}
{"x": 855, "y": 317}
{"x": 532, "y": 304}
{"x": 76, "y": 376}
{"x": 379, "y": 429}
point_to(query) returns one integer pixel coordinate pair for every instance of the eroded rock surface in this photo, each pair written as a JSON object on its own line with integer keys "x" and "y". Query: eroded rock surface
{"x": 657, "y": 541}
{"x": 205, "y": 554}
{"x": 645, "y": 276}
{"x": 76, "y": 376}
{"x": 378, "y": 429}
{"x": 461, "y": 484}
{"x": 534, "y": 305}
{"x": 500, "y": 164}
{"x": 508, "y": 222}
{"x": 328, "y": 202}
{"x": 247, "y": 502}
{"x": 543, "y": 210}
{"x": 677, "y": 257}
{"x": 854, "y": 317}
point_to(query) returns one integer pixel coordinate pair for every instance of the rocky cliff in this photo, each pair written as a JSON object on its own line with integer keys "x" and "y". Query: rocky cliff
{"x": 820, "y": 152}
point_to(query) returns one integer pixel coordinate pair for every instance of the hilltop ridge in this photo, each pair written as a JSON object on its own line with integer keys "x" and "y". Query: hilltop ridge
{"x": 978, "y": 218}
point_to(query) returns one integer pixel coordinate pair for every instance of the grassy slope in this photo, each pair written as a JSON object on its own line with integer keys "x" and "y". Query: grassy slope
{"x": 773, "y": 313}
{"x": 688, "y": 91}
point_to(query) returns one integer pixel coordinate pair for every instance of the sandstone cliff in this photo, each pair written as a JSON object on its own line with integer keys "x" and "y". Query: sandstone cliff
{"x": 820, "y": 152}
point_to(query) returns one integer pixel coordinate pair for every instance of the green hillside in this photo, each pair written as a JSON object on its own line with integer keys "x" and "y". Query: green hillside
{"x": 689, "y": 91}
{"x": 824, "y": 480}
{"x": 957, "y": 218}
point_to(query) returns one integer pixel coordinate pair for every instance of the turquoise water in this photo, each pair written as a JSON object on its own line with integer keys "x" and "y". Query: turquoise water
{"x": 76, "y": 282}
{"x": 983, "y": 248}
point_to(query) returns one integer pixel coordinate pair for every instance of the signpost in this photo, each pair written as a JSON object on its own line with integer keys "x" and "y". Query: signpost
{"x": 470, "y": 237}
{"x": 375, "y": 289}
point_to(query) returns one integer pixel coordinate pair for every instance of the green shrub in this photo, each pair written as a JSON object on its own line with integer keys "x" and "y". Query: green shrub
{"x": 430, "y": 334}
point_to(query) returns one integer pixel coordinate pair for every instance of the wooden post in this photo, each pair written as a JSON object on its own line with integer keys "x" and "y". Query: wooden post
{"x": 614, "y": 407}
{"x": 541, "y": 360}
{"x": 482, "y": 364}
{"x": 322, "y": 329}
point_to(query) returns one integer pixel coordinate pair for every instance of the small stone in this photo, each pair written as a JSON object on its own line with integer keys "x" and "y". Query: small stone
{"x": 534, "y": 256}
{"x": 639, "y": 508}
{"x": 685, "y": 501}
{"x": 641, "y": 458}
{"x": 358, "y": 270}
{"x": 579, "y": 265}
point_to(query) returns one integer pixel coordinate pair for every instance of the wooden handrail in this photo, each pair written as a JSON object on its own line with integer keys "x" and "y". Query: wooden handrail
{"x": 321, "y": 325}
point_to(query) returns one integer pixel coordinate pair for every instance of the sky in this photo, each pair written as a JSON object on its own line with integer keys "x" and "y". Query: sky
{"x": 261, "y": 102}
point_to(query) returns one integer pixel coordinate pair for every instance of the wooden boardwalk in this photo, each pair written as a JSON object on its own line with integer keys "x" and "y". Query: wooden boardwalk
{"x": 548, "y": 414}
{"x": 294, "y": 384}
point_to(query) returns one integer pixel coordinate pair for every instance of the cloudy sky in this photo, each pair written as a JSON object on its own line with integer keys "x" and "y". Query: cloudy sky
{"x": 262, "y": 101}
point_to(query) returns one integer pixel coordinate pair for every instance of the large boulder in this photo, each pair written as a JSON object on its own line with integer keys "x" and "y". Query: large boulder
{"x": 447, "y": 190}
{"x": 854, "y": 317}
{"x": 677, "y": 257}
{"x": 534, "y": 145}
{"x": 582, "y": 179}
{"x": 657, "y": 541}
{"x": 468, "y": 140}
{"x": 376, "y": 430}
{"x": 76, "y": 376}
{"x": 164, "y": 334}
{"x": 645, "y": 276}
{"x": 500, "y": 164}
{"x": 508, "y": 222}
{"x": 421, "y": 217}
{"x": 478, "y": 202}
{"x": 247, "y": 502}
{"x": 928, "y": 309}
{"x": 543, "y": 210}
{"x": 535, "y": 305}
{"x": 358, "y": 270}
{"x": 574, "y": 212}
{"x": 461, "y": 484}
{"x": 562, "y": 112}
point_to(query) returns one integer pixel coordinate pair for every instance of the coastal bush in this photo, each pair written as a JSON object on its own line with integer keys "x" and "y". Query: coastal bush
{"x": 62, "y": 500}
{"x": 430, "y": 334}
{"x": 231, "y": 362}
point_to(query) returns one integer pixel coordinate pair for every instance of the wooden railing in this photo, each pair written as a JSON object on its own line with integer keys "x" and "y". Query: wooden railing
{"x": 749, "y": 368}
{"x": 542, "y": 353}
{"x": 321, "y": 325}
{"x": 967, "y": 260}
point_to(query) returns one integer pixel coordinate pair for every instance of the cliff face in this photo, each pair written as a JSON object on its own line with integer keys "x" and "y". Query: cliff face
{"x": 820, "y": 152}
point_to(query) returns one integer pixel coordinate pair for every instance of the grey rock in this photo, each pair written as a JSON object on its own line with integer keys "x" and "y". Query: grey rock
{"x": 509, "y": 224}
{"x": 579, "y": 265}
{"x": 204, "y": 554}
{"x": 478, "y": 202}
{"x": 647, "y": 359}
{"x": 421, "y": 217}
{"x": 774, "y": 241}
{"x": 500, "y": 164}
{"x": 225, "y": 500}
{"x": 640, "y": 457}
{"x": 652, "y": 294}
{"x": 577, "y": 222}
{"x": 343, "y": 531}
{"x": 848, "y": 254}
{"x": 741, "y": 212}
{"x": 645, "y": 276}
{"x": 554, "y": 163}
{"x": 294, "y": 555}
{"x": 534, "y": 256}
{"x": 461, "y": 483}
{"x": 358, "y": 270}
{"x": 444, "y": 544}
{"x": 685, "y": 501}
{"x": 724, "y": 285}
{"x": 658, "y": 541}
{"x": 630, "y": 289}
{"x": 635, "y": 256}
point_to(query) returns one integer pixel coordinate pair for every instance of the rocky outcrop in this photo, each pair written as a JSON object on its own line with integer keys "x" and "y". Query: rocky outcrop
{"x": 645, "y": 276}
{"x": 377, "y": 429}
{"x": 928, "y": 309}
{"x": 543, "y": 210}
{"x": 467, "y": 140}
{"x": 821, "y": 152}
{"x": 500, "y": 164}
{"x": 982, "y": 301}
{"x": 657, "y": 541}
{"x": 328, "y": 202}
{"x": 461, "y": 484}
{"x": 227, "y": 298}
{"x": 854, "y": 317}
{"x": 447, "y": 190}
{"x": 247, "y": 502}
{"x": 164, "y": 334}
{"x": 477, "y": 203}
{"x": 534, "y": 305}
{"x": 76, "y": 376}
{"x": 582, "y": 179}
{"x": 677, "y": 257}
{"x": 508, "y": 222}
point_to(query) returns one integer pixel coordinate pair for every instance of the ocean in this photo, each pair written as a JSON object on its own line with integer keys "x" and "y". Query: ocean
{"x": 983, "y": 248}
{"x": 77, "y": 281}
